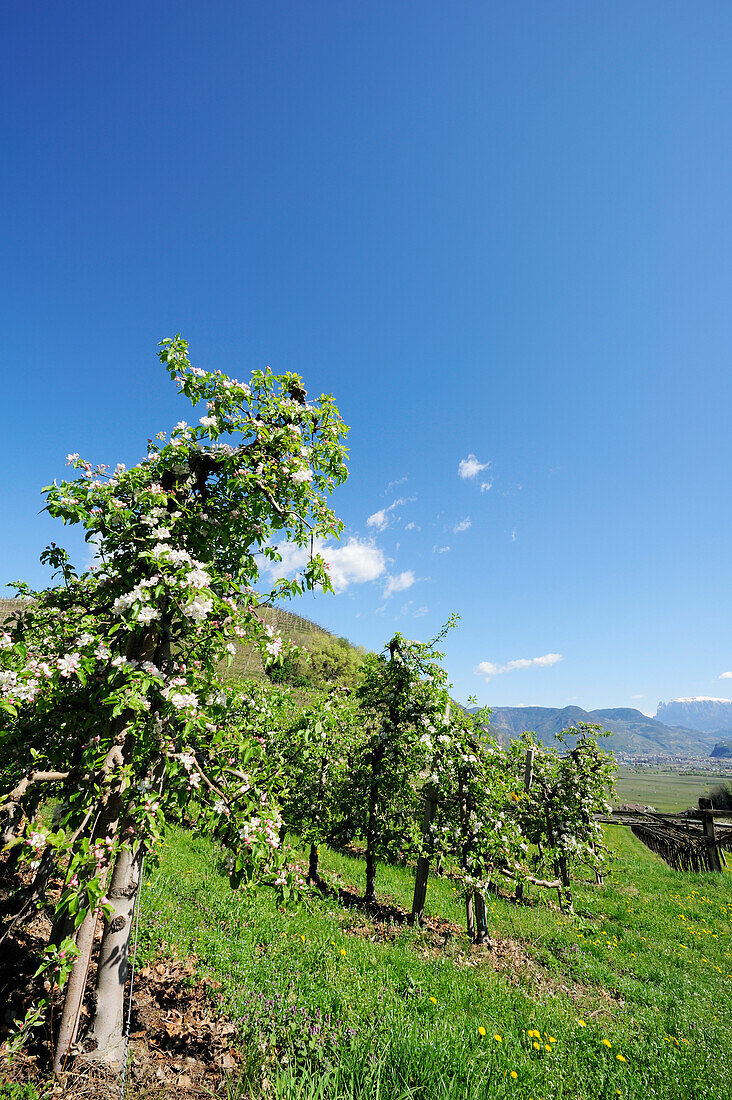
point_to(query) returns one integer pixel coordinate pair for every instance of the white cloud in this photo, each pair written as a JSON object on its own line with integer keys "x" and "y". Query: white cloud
{"x": 382, "y": 519}
{"x": 488, "y": 669}
{"x": 513, "y": 535}
{"x": 470, "y": 467}
{"x": 440, "y": 549}
{"x": 412, "y": 526}
{"x": 485, "y": 486}
{"x": 637, "y": 696}
{"x": 393, "y": 484}
{"x": 463, "y": 525}
{"x": 354, "y": 562}
{"x": 725, "y": 676}
{"x": 400, "y": 583}
{"x": 420, "y": 612}
{"x": 379, "y": 519}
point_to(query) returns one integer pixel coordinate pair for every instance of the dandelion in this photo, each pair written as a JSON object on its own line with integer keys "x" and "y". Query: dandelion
{"x": 343, "y": 951}
{"x": 481, "y": 1031}
{"x": 498, "y": 1038}
{"x": 547, "y": 1047}
{"x": 582, "y": 1023}
{"x": 434, "y": 1000}
{"x": 620, "y": 1057}
{"x": 514, "y": 1074}
{"x": 302, "y": 938}
{"x": 537, "y": 1046}
{"x": 606, "y": 1043}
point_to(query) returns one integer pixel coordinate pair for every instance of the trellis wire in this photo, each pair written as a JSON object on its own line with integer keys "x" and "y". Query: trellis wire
{"x": 132, "y": 981}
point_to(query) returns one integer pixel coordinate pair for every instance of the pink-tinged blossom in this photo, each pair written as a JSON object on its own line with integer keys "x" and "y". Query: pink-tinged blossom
{"x": 5, "y": 641}
{"x": 183, "y": 700}
{"x": 68, "y": 664}
{"x": 302, "y": 475}
{"x": 208, "y": 422}
{"x": 147, "y": 614}
{"x": 274, "y": 648}
{"x": 198, "y": 608}
{"x": 198, "y": 578}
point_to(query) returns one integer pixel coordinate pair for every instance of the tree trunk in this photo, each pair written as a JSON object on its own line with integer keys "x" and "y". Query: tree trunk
{"x": 112, "y": 967}
{"x": 313, "y": 864}
{"x": 75, "y": 992}
{"x": 470, "y": 915}
{"x": 371, "y": 831}
{"x": 76, "y": 985}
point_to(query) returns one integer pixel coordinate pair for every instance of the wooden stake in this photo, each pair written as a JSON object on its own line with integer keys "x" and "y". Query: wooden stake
{"x": 423, "y": 863}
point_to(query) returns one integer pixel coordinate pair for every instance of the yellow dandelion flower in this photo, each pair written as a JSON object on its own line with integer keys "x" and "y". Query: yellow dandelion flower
{"x": 514, "y": 1074}
{"x": 547, "y": 1047}
{"x": 606, "y": 1043}
{"x": 537, "y": 1046}
{"x": 481, "y": 1031}
{"x": 498, "y": 1038}
{"x": 434, "y": 1000}
{"x": 582, "y": 1023}
{"x": 343, "y": 951}
{"x": 552, "y": 1039}
{"x": 302, "y": 938}
{"x": 620, "y": 1057}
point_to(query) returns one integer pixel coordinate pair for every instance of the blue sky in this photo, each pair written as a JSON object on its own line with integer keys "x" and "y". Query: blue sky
{"x": 500, "y": 234}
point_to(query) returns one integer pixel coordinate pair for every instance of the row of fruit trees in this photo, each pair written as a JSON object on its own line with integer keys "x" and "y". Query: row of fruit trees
{"x": 116, "y": 714}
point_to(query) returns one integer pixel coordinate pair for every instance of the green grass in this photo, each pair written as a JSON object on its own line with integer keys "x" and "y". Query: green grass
{"x": 645, "y": 963}
{"x": 668, "y": 791}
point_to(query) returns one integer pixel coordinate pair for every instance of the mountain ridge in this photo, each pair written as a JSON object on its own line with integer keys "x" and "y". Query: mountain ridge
{"x": 633, "y": 732}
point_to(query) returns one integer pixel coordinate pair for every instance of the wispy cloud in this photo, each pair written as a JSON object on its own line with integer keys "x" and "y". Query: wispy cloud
{"x": 463, "y": 525}
{"x": 399, "y": 583}
{"x": 489, "y": 669}
{"x": 440, "y": 549}
{"x": 485, "y": 486}
{"x": 471, "y": 467}
{"x": 381, "y": 519}
{"x": 420, "y": 612}
{"x": 725, "y": 676}
{"x": 356, "y": 561}
{"x": 412, "y": 526}
{"x": 393, "y": 484}
{"x": 514, "y": 536}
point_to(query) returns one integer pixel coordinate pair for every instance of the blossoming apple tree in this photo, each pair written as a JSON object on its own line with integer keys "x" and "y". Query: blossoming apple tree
{"x": 111, "y": 693}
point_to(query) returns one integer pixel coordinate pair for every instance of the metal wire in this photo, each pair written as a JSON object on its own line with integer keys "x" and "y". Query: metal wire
{"x": 132, "y": 980}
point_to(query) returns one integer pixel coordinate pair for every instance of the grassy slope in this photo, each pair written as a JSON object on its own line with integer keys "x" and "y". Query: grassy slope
{"x": 645, "y": 964}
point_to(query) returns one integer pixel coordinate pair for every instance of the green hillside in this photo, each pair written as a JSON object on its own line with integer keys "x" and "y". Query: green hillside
{"x": 336, "y": 1002}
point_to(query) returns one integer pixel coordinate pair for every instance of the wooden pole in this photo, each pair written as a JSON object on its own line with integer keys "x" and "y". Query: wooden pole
{"x": 481, "y": 920}
{"x": 707, "y": 817}
{"x": 423, "y": 863}
{"x": 528, "y": 780}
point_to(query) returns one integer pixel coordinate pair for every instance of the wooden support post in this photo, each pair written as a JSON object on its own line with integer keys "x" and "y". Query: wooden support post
{"x": 528, "y": 780}
{"x": 707, "y": 816}
{"x": 481, "y": 921}
{"x": 423, "y": 863}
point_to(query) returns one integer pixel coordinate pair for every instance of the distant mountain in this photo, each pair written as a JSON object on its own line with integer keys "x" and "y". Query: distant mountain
{"x": 699, "y": 713}
{"x": 633, "y": 731}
